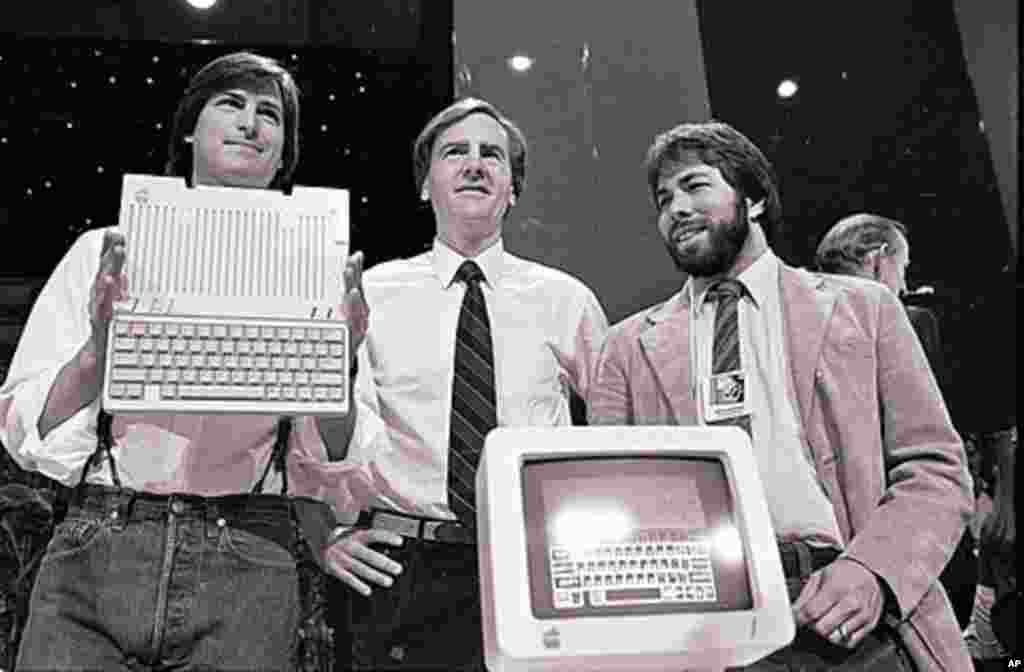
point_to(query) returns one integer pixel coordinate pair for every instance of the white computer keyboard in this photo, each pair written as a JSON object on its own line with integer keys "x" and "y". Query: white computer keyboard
{"x": 655, "y": 567}
{"x": 190, "y": 364}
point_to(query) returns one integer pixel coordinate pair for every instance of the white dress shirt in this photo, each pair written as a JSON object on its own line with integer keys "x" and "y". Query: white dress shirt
{"x": 797, "y": 503}
{"x": 159, "y": 453}
{"x": 546, "y": 326}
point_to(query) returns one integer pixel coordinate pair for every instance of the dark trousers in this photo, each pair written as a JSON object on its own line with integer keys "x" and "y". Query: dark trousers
{"x": 132, "y": 581}
{"x": 428, "y": 620}
{"x": 880, "y": 651}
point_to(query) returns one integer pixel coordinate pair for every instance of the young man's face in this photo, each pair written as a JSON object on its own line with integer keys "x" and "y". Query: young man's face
{"x": 702, "y": 219}
{"x": 470, "y": 178}
{"x": 239, "y": 138}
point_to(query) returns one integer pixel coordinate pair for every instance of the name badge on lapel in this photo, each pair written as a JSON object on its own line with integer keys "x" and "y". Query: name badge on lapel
{"x": 726, "y": 396}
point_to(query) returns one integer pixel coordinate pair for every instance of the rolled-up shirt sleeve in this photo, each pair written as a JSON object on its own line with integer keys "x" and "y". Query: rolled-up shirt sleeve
{"x": 57, "y": 328}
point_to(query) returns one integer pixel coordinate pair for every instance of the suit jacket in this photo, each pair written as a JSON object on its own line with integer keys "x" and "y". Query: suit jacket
{"x": 883, "y": 445}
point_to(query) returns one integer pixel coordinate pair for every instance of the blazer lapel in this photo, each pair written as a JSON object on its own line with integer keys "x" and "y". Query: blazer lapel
{"x": 806, "y": 312}
{"x": 666, "y": 344}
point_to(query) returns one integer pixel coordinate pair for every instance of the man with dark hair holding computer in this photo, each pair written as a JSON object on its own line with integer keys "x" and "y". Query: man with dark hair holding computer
{"x": 462, "y": 338}
{"x": 174, "y": 553}
{"x": 865, "y": 477}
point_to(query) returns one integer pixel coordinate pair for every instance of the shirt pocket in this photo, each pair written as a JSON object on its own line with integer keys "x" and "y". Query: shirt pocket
{"x": 534, "y": 388}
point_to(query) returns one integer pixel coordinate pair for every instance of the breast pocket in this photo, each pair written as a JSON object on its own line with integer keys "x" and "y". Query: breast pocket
{"x": 534, "y": 388}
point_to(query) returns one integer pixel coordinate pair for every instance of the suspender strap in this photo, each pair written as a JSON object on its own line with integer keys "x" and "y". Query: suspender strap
{"x": 104, "y": 444}
{"x": 278, "y": 456}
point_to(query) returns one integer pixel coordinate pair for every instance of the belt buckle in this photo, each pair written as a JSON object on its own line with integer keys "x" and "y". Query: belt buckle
{"x": 407, "y": 527}
{"x": 447, "y": 531}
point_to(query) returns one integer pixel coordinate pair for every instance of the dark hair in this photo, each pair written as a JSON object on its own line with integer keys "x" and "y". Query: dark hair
{"x": 721, "y": 146}
{"x": 453, "y": 114}
{"x": 241, "y": 69}
{"x": 1000, "y": 526}
{"x": 852, "y": 238}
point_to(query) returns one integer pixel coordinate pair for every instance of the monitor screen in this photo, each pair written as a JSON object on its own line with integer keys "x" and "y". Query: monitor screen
{"x": 631, "y": 535}
{"x": 626, "y": 549}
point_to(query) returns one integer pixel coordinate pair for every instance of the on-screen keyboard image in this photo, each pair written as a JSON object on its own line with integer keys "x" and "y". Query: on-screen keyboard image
{"x": 182, "y": 364}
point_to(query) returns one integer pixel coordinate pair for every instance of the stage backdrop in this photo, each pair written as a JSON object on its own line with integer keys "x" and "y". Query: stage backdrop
{"x": 602, "y": 82}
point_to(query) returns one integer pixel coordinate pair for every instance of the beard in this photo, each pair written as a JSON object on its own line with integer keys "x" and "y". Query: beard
{"x": 724, "y": 242}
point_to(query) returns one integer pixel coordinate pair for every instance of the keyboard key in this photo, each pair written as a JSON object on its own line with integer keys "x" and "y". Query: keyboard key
{"x": 156, "y": 329}
{"x": 301, "y": 378}
{"x": 334, "y": 335}
{"x": 137, "y": 328}
{"x": 203, "y": 330}
{"x": 238, "y": 377}
{"x": 330, "y": 364}
{"x": 227, "y": 347}
{"x": 220, "y": 331}
{"x": 126, "y": 359}
{"x": 169, "y": 391}
{"x": 260, "y": 347}
{"x": 163, "y": 344}
{"x": 222, "y": 377}
{"x": 129, "y": 375}
{"x": 117, "y": 390}
{"x": 120, "y": 329}
{"x": 220, "y": 392}
{"x": 124, "y": 344}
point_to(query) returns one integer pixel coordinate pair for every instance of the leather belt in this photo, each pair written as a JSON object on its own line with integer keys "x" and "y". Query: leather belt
{"x": 800, "y": 559}
{"x": 416, "y": 527}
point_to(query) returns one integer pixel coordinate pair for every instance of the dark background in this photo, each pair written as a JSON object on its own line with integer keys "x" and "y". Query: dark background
{"x": 886, "y": 120}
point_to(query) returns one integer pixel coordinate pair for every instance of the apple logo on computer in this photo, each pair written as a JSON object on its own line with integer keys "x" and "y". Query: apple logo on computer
{"x": 552, "y": 639}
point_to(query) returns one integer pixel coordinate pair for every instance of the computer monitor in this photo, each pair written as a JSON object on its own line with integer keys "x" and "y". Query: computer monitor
{"x": 626, "y": 548}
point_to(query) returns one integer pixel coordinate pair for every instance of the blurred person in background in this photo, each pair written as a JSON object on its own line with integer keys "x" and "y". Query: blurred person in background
{"x": 875, "y": 247}
{"x": 991, "y": 634}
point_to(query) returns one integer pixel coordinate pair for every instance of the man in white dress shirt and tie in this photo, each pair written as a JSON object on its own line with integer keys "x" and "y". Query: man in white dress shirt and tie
{"x": 462, "y": 338}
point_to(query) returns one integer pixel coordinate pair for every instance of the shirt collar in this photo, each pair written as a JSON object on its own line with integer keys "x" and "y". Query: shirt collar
{"x": 447, "y": 262}
{"x": 759, "y": 278}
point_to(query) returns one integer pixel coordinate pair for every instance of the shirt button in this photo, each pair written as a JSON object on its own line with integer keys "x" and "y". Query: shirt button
{"x": 113, "y": 515}
{"x": 221, "y": 522}
{"x": 177, "y": 507}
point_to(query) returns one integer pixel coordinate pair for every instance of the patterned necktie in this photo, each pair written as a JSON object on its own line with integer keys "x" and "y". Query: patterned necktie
{"x": 473, "y": 399}
{"x": 726, "y": 349}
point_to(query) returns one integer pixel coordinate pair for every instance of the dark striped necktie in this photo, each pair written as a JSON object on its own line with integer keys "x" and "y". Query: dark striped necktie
{"x": 725, "y": 353}
{"x": 473, "y": 399}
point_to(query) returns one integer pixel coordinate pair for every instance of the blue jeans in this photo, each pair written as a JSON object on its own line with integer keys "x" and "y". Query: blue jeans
{"x": 428, "y": 620}
{"x": 132, "y": 581}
